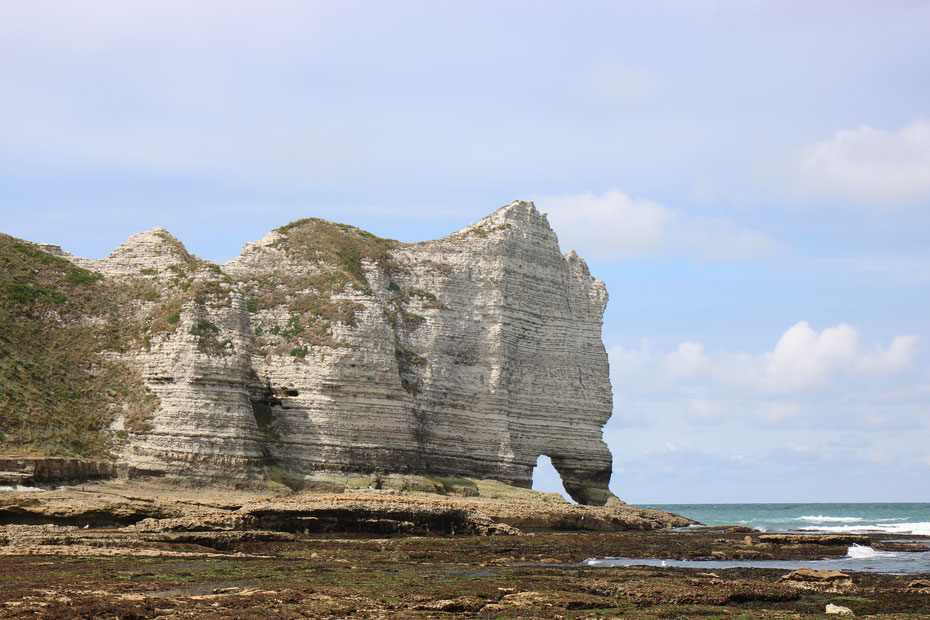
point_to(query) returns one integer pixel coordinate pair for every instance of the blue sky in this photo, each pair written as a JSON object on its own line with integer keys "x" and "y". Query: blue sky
{"x": 751, "y": 180}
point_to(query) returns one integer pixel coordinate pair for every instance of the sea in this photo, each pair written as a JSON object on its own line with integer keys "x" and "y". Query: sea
{"x": 871, "y": 518}
{"x": 908, "y": 518}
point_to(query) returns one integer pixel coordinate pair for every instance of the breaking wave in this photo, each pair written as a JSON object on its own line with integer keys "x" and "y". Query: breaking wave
{"x": 887, "y": 518}
{"x": 823, "y": 519}
{"x": 862, "y": 552}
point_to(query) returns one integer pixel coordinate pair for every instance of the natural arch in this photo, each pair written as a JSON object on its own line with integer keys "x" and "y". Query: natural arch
{"x": 546, "y": 478}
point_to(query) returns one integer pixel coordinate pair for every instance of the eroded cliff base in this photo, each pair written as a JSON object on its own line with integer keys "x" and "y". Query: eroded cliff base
{"x": 141, "y": 509}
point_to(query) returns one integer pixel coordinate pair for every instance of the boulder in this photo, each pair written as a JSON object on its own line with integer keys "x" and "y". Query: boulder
{"x": 838, "y": 610}
{"x": 811, "y": 575}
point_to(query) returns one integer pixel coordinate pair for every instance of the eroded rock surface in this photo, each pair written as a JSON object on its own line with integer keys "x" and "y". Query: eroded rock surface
{"x": 39, "y": 470}
{"x": 324, "y": 348}
{"x": 159, "y": 506}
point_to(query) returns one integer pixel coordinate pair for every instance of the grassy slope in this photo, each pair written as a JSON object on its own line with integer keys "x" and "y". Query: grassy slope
{"x": 57, "y": 391}
{"x": 334, "y": 254}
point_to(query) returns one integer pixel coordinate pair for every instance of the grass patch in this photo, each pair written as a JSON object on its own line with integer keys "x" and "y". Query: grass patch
{"x": 323, "y": 291}
{"x": 344, "y": 246}
{"x": 207, "y": 341}
{"x": 407, "y": 363}
{"x": 293, "y": 327}
{"x": 418, "y": 292}
{"x": 58, "y": 391}
{"x": 204, "y": 328}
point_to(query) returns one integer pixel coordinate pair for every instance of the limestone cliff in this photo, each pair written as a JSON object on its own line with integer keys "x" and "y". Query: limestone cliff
{"x": 324, "y": 348}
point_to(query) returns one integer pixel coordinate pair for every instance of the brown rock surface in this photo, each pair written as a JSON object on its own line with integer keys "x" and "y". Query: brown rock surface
{"x": 40, "y": 470}
{"x": 818, "y": 578}
{"x": 811, "y": 574}
{"x": 159, "y": 507}
{"x": 815, "y": 539}
{"x": 260, "y": 574}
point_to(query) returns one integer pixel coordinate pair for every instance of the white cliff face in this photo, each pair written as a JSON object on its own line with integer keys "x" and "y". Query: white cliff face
{"x": 469, "y": 355}
{"x": 154, "y": 249}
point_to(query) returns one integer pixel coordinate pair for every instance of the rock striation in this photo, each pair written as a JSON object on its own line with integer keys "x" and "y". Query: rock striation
{"x": 323, "y": 348}
{"x": 160, "y": 506}
{"x": 42, "y": 470}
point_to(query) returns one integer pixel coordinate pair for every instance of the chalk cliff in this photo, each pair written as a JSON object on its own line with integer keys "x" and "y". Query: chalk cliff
{"x": 324, "y": 348}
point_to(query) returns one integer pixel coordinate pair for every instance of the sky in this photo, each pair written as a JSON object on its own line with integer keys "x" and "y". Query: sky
{"x": 750, "y": 179}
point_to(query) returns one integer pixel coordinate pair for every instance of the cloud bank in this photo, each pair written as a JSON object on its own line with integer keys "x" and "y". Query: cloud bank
{"x": 865, "y": 166}
{"x": 691, "y": 424}
{"x": 615, "y": 226}
{"x": 803, "y": 361}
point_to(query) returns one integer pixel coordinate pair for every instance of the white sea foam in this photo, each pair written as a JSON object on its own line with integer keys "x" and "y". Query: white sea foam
{"x": 20, "y": 489}
{"x": 918, "y": 529}
{"x": 862, "y": 552}
{"x": 823, "y": 519}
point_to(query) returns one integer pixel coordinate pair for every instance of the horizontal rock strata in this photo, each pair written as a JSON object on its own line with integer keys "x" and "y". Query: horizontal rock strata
{"x": 157, "y": 510}
{"x": 324, "y": 348}
{"x": 40, "y": 470}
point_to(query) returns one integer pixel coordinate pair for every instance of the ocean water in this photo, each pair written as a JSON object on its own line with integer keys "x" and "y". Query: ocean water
{"x": 825, "y": 518}
{"x": 913, "y": 518}
{"x": 858, "y": 558}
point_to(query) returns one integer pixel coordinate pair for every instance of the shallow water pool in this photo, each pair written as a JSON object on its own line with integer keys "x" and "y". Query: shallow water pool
{"x": 858, "y": 558}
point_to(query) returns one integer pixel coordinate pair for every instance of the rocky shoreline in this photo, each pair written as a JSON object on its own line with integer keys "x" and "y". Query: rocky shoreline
{"x": 125, "y": 549}
{"x": 159, "y": 507}
{"x": 540, "y": 575}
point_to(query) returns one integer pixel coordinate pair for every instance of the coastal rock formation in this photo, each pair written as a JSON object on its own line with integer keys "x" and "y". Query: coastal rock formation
{"x": 159, "y": 506}
{"x": 325, "y": 348}
{"x": 815, "y": 539}
{"x": 32, "y": 470}
{"x": 818, "y": 579}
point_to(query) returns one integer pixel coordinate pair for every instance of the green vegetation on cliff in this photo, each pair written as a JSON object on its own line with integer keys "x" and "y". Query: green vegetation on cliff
{"x": 57, "y": 389}
{"x": 335, "y": 255}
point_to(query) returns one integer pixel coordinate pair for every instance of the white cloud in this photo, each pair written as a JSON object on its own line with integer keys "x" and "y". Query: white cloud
{"x": 614, "y": 225}
{"x": 803, "y": 360}
{"x": 876, "y": 168}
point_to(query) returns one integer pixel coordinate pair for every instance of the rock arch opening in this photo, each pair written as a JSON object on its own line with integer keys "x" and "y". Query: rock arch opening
{"x": 547, "y": 479}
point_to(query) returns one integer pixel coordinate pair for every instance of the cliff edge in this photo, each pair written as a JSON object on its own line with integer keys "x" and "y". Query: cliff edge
{"x": 323, "y": 348}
